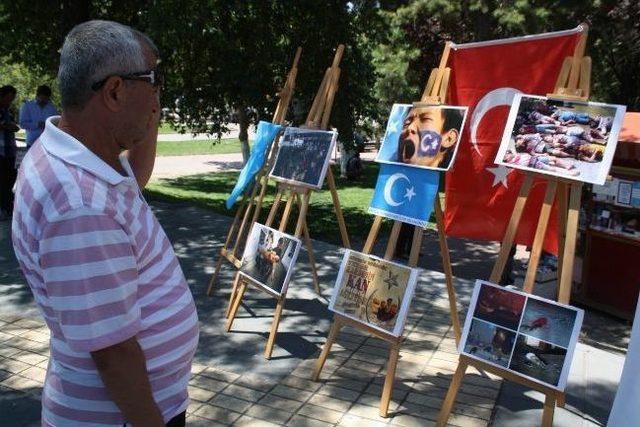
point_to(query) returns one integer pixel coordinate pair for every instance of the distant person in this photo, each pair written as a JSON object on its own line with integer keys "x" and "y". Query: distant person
{"x": 34, "y": 113}
{"x": 8, "y": 128}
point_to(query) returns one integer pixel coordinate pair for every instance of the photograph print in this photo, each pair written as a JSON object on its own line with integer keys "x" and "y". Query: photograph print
{"x": 303, "y": 157}
{"x": 530, "y": 336}
{"x": 574, "y": 140}
{"x": 490, "y": 342}
{"x": 422, "y": 136}
{"x": 269, "y": 257}
{"x": 500, "y": 306}
{"x": 374, "y": 291}
{"x": 538, "y": 359}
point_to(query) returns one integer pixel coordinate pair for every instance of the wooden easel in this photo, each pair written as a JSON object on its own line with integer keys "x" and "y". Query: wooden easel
{"x": 318, "y": 117}
{"x": 434, "y": 94}
{"x": 573, "y": 84}
{"x": 243, "y": 220}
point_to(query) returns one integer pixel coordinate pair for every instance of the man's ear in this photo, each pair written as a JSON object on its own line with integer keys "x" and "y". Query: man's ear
{"x": 449, "y": 138}
{"x": 113, "y": 94}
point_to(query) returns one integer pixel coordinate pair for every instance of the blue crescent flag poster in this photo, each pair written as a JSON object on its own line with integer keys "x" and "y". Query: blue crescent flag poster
{"x": 265, "y": 134}
{"x": 405, "y": 193}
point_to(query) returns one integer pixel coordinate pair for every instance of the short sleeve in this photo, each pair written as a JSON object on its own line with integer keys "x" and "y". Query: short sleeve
{"x": 91, "y": 278}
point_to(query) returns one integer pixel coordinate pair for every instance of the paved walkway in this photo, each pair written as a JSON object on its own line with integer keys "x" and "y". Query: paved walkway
{"x": 234, "y": 385}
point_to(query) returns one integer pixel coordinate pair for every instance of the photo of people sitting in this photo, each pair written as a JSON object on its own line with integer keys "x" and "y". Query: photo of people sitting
{"x": 268, "y": 257}
{"x": 561, "y": 138}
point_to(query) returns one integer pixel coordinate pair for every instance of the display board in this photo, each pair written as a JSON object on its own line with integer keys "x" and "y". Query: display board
{"x": 530, "y": 336}
{"x": 374, "y": 291}
{"x": 269, "y": 258}
{"x": 424, "y": 136}
{"x": 566, "y": 139}
{"x": 303, "y": 157}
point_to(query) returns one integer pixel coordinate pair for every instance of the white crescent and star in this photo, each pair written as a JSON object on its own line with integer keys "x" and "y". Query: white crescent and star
{"x": 409, "y": 194}
{"x": 495, "y": 98}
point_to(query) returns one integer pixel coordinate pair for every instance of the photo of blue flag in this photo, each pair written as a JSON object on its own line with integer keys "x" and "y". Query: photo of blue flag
{"x": 265, "y": 135}
{"x": 405, "y": 193}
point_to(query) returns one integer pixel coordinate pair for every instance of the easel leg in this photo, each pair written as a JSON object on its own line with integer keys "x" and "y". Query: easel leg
{"x": 549, "y": 409}
{"x": 333, "y": 334}
{"x": 214, "y": 276}
{"x": 336, "y": 204}
{"x": 393, "y": 240}
{"x": 512, "y": 228}
{"x": 236, "y": 304}
{"x": 563, "y": 207}
{"x": 312, "y": 258}
{"x": 232, "y": 297}
{"x": 274, "y": 329}
{"x": 448, "y": 271}
{"x": 536, "y": 249}
{"x": 387, "y": 391}
{"x": 373, "y": 234}
{"x": 564, "y": 284}
{"x": 274, "y": 208}
{"x": 561, "y": 400}
{"x": 450, "y": 398}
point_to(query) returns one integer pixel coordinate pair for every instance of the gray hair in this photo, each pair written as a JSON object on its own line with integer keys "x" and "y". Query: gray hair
{"x": 94, "y": 50}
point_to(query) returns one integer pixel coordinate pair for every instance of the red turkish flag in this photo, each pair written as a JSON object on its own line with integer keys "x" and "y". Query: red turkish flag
{"x": 485, "y": 76}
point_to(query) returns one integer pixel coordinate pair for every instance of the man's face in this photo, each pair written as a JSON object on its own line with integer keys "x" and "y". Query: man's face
{"x": 142, "y": 112}
{"x": 42, "y": 99}
{"x": 422, "y": 141}
{"x": 7, "y": 100}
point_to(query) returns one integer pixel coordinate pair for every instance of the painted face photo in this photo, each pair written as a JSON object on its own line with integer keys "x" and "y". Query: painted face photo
{"x": 425, "y": 137}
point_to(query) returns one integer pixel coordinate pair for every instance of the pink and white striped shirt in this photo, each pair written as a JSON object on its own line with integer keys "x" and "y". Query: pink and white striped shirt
{"x": 101, "y": 270}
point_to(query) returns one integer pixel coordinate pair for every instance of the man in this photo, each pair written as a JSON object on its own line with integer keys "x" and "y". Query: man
{"x": 8, "y": 129}
{"x": 429, "y": 135}
{"x": 34, "y": 113}
{"x": 123, "y": 322}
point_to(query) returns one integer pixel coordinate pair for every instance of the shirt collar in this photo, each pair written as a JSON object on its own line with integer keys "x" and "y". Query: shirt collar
{"x": 67, "y": 148}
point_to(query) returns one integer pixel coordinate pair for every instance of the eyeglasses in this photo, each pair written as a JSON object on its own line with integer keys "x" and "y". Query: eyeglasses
{"x": 153, "y": 77}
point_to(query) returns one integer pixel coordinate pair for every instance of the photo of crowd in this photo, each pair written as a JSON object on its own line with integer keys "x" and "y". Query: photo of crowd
{"x": 525, "y": 334}
{"x": 565, "y": 139}
{"x": 269, "y": 258}
{"x": 303, "y": 157}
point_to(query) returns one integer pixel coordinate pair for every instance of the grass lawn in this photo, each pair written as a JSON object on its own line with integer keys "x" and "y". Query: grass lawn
{"x": 186, "y": 148}
{"x": 211, "y": 191}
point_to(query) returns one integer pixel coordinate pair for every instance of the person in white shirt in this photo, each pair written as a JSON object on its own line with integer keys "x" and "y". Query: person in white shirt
{"x": 34, "y": 113}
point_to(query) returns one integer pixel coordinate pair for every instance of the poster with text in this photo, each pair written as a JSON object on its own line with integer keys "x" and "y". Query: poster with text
{"x": 374, "y": 291}
{"x": 530, "y": 336}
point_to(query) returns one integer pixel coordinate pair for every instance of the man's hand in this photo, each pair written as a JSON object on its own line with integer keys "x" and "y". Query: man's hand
{"x": 123, "y": 370}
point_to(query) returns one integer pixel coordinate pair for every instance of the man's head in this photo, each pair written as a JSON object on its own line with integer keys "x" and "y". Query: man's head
{"x": 43, "y": 94}
{"x": 108, "y": 71}
{"x": 428, "y": 135}
{"x": 7, "y": 95}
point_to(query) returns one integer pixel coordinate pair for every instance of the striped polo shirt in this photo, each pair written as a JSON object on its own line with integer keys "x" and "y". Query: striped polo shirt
{"x": 101, "y": 270}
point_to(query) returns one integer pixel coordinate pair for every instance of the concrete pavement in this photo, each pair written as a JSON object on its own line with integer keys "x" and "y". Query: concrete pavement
{"x": 234, "y": 385}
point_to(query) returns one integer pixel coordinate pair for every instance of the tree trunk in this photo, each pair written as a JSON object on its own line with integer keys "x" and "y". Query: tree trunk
{"x": 243, "y": 136}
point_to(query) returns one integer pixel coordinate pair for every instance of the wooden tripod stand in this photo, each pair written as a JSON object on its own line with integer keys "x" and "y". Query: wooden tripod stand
{"x": 573, "y": 84}
{"x": 243, "y": 219}
{"x": 318, "y": 117}
{"x": 434, "y": 94}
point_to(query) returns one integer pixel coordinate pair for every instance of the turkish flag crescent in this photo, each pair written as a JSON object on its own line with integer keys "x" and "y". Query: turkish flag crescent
{"x": 485, "y": 76}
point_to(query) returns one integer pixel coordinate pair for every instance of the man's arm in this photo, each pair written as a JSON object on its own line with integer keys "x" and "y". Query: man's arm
{"x": 123, "y": 370}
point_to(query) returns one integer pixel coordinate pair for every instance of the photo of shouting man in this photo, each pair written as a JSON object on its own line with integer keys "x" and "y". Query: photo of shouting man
{"x": 422, "y": 136}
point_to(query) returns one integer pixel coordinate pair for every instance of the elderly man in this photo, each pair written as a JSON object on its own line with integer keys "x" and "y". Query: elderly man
{"x": 123, "y": 322}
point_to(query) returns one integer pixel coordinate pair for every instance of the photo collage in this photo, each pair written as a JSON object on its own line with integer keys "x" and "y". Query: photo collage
{"x": 529, "y": 336}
